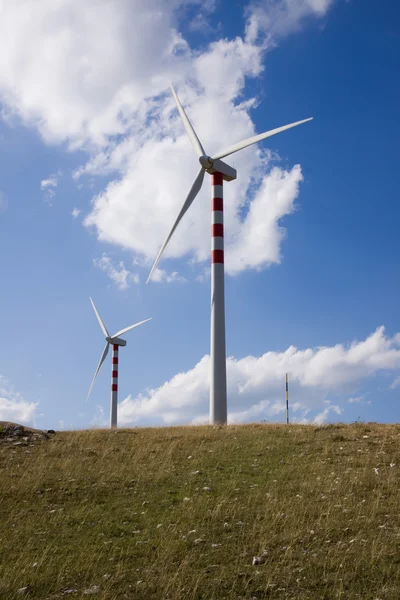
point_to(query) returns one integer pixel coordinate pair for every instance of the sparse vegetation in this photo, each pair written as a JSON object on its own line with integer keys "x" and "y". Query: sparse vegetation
{"x": 180, "y": 513}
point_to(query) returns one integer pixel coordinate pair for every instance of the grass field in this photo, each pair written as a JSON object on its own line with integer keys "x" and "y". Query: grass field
{"x": 180, "y": 513}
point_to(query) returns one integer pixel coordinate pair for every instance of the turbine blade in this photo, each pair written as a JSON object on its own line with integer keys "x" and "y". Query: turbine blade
{"x": 194, "y": 190}
{"x": 102, "y": 359}
{"x": 188, "y": 126}
{"x": 103, "y": 327}
{"x": 130, "y": 327}
{"x": 257, "y": 138}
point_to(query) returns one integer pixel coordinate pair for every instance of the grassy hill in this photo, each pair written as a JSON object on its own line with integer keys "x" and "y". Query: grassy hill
{"x": 180, "y": 513}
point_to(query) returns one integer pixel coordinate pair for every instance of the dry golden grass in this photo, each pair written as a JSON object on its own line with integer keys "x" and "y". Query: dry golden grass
{"x": 126, "y": 511}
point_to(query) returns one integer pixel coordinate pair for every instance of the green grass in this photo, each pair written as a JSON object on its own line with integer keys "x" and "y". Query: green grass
{"x": 126, "y": 511}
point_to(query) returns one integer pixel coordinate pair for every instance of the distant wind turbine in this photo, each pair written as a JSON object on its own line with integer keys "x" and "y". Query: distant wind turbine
{"x": 115, "y": 341}
{"x": 220, "y": 171}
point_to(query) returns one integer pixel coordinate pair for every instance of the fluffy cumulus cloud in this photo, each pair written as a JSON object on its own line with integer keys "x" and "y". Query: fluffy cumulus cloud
{"x": 281, "y": 17}
{"x": 258, "y": 238}
{"x": 77, "y": 70}
{"x": 13, "y": 407}
{"x": 118, "y": 274}
{"x": 95, "y": 75}
{"x": 320, "y": 382}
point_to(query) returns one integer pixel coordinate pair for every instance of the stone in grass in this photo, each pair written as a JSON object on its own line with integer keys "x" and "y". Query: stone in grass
{"x": 92, "y": 590}
{"x": 207, "y": 489}
{"x": 260, "y": 560}
{"x": 24, "y": 590}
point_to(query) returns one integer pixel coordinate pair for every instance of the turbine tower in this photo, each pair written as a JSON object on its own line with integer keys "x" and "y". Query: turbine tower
{"x": 219, "y": 172}
{"x": 115, "y": 341}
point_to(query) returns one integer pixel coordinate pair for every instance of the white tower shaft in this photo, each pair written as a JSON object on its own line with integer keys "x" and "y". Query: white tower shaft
{"x": 218, "y": 401}
{"x": 114, "y": 387}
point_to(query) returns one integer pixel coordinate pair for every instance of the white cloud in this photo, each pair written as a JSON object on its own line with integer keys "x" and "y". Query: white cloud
{"x": 321, "y": 417}
{"x": 17, "y": 411}
{"x": 356, "y": 400}
{"x": 160, "y": 275}
{"x": 77, "y": 70}
{"x": 258, "y": 240}
{"x": 256, "y": 384}
{"x": 13, "y": 407}
{"x": 48, "y": 185}
{"x": 359, "y": 400}
{"x": 281, "y": 17}
{"x": 117, "y": 273}
{"x": 51, "y": 182}
{"x": 76, "y": 212}
{"x": 96, "y": 76}
{"x": 395, "y": 383}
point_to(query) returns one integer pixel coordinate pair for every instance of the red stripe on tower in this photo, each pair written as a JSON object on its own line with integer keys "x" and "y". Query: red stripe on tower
{"x": 217, "y": 230}
{"x": 114, "y": 387}
{"x": 217, "y": 220}
{"x": 217, "y": 257}
{"x": 217, "y": 204}
{"x": 217, "y": 178}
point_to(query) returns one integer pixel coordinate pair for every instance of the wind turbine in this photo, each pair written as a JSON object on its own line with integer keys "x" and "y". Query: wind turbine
{"x": 219, "y": 171}
{"x": 115, "y": 341}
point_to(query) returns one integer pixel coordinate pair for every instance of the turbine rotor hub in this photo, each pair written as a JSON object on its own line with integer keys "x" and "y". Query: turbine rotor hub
{"x": 206, "y": 162}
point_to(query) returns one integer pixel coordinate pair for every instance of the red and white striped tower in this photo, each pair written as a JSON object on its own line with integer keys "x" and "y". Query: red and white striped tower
{"x": 115, "y": 341}
{"x": 114, "y": 387}
{"x": 219, "y": 171}
{"x": 218, "y": 400}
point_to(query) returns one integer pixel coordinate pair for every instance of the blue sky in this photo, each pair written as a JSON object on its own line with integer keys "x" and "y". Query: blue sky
{"x": 89, "y": 126}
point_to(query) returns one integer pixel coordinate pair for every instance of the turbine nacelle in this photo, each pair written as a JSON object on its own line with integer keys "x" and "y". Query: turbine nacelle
{"x": 116, "y": 341}
{"x": 214, "y": 165}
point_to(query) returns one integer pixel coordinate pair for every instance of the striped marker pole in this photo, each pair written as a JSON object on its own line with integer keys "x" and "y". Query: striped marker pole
{"x": 218, "y": 401}
{"x": 287, "y": 399}
{"x": 114, "y": 387}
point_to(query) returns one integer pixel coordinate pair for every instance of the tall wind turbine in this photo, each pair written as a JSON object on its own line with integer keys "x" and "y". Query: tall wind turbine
{"x": 115, "y": 341}
{"x": 219, "y": 172}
